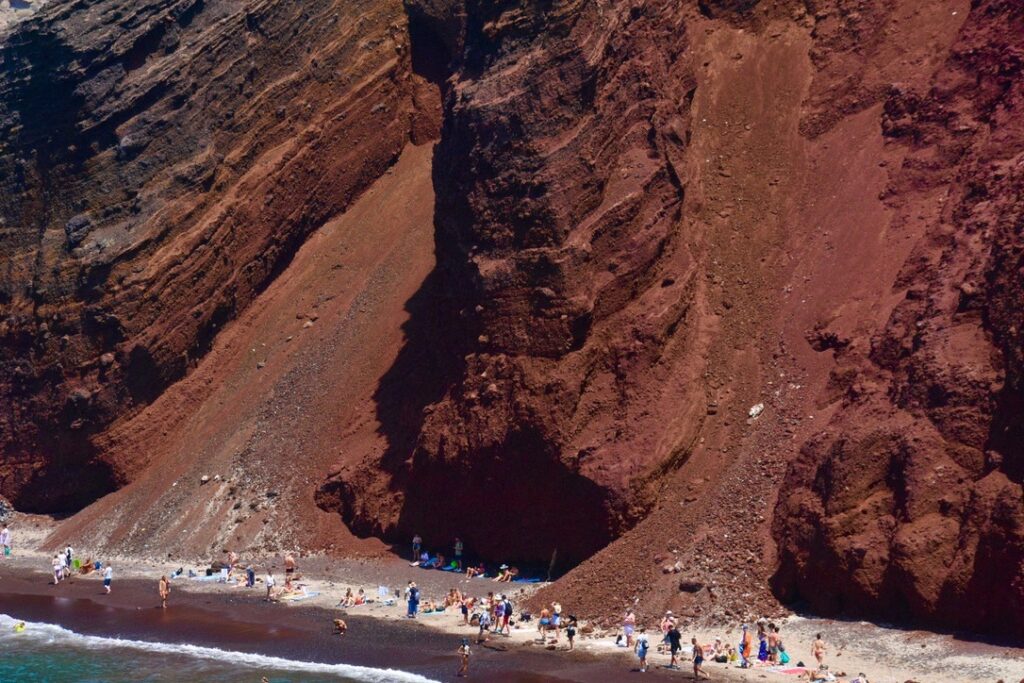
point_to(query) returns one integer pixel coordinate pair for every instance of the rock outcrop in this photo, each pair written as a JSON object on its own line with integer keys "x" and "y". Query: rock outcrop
{"x": 910, "y": 505}
{"x": 560, "y": 183}
{"x": 160, "y": 164}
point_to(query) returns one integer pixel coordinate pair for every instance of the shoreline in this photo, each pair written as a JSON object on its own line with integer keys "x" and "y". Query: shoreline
{"x": 238, "y": 619}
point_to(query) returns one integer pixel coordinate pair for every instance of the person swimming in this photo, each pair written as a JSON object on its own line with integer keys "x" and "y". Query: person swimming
{"x": 19, "y": 627}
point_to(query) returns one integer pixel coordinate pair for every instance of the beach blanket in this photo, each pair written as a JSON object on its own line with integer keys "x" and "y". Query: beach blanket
{"x": 525, "y": 580}
{"x": 211, "y": 577}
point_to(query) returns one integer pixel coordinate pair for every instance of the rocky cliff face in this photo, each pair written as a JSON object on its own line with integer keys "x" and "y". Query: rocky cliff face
{"x": 559, "y": 185}
{"x": 161, "y": 162}
{"x": 726, "y": 292}
{"x": 910, "y": 504}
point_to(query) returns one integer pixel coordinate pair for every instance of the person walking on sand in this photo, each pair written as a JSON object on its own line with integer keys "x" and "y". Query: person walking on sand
{"x": 165, "y": 591}
{"x": 641, "y": 649}
{"x": 698, "y": 660}
{"x": 485, "y": 625}
{"x": 57, "y": 574}
{"x": 464, "y": 659}
{"x": 628, "y": 626}
{"x": 417, "y": 543}
{"x": 5, "y": 541}
{"x": 108, "y": 576}
{"x": 675, "y": 640}
{"x": 818, "y": 649}
{"x": 269, "y": 581}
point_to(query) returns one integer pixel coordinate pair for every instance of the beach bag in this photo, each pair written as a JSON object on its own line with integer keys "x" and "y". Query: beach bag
{"x": 784, "y": 657}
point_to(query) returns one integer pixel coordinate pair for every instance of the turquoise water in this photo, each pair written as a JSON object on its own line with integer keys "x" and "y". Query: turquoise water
{"x": 44, "y": 652}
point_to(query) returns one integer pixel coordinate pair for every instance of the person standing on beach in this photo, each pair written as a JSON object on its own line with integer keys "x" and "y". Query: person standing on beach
{"x": 556, "y": 619}
{"x": 414, "y": 600}
{"x": 57, "y": 574}
{"x": 641, "y": 648}
{"x": 108, "y": 576}
{"x": 417, "y": 543}
{"x": 628, "y": 626}
{"x": 458, "y": 553}
{"x": 5, "y": 541}
{"x": 818, "y": 648}
{"x": 675, "y": 640}
{"x": 698, "y": 660}
{"x": 463, "y": 659}
{"x": 289, "y": 571}
{"x": 250, "y": 576}
{"x": 269, "y": 581}
{"x": 68, "y": 554}
{"x": 165, "y": 591}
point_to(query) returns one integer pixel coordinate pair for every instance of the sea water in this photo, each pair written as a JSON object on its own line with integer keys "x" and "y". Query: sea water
{"x": 52, "y": 654}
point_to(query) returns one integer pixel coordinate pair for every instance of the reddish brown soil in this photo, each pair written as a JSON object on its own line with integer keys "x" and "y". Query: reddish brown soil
{"x": 650, "y": 217}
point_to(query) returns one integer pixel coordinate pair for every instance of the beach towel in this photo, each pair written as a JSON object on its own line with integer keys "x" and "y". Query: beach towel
{"x": 450, "y": 569}
{"x": 526, "y": 580}
{"x": 212, "y": 577}
{"x": 299, "y": 596}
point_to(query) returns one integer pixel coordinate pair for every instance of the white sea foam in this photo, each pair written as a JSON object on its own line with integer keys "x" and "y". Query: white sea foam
{"x": 50, "y": 634}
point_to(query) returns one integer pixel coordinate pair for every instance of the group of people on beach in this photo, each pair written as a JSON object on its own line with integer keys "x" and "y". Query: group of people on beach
{"x": 765, "y": 649}
{"x": 64, "y": 565}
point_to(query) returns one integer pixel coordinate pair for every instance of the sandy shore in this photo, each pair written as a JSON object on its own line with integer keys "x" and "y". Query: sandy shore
{"x": 232, "y": 617}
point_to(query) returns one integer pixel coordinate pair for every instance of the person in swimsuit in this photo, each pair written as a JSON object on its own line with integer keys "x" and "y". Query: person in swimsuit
{"x": 463, "y": 658}
{"x": 698, "y": 660}
{"x": 165, "y": 591}
{"x": 818, "y": 649}
{"x": 570, "y": 631}
{"x": 289, "y": 571}
{"x": 628, "y": 626}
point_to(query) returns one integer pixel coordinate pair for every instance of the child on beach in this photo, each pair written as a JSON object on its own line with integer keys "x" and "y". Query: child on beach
{"x": 570, "y": 631}
{"x": 5, "y": 541}
{"x": 268, "y": 580}
{"x": 108, "y": 576}
{"x": 463, "y": 658}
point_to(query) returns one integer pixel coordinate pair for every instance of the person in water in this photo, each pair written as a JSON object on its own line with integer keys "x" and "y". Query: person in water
{"x": 165, "y": 591}
{"x": 340, "y": 627}
{"x": 19, "y": 627}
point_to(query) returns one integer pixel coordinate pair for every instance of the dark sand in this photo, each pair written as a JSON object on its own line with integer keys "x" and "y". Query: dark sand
{"x": 243, "y": 622}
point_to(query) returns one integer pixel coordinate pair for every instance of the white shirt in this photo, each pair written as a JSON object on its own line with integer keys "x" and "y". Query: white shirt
{"x": 108, "y": 573}
{"x": 269, "y": 581}
{"x": 5, "y": 537}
